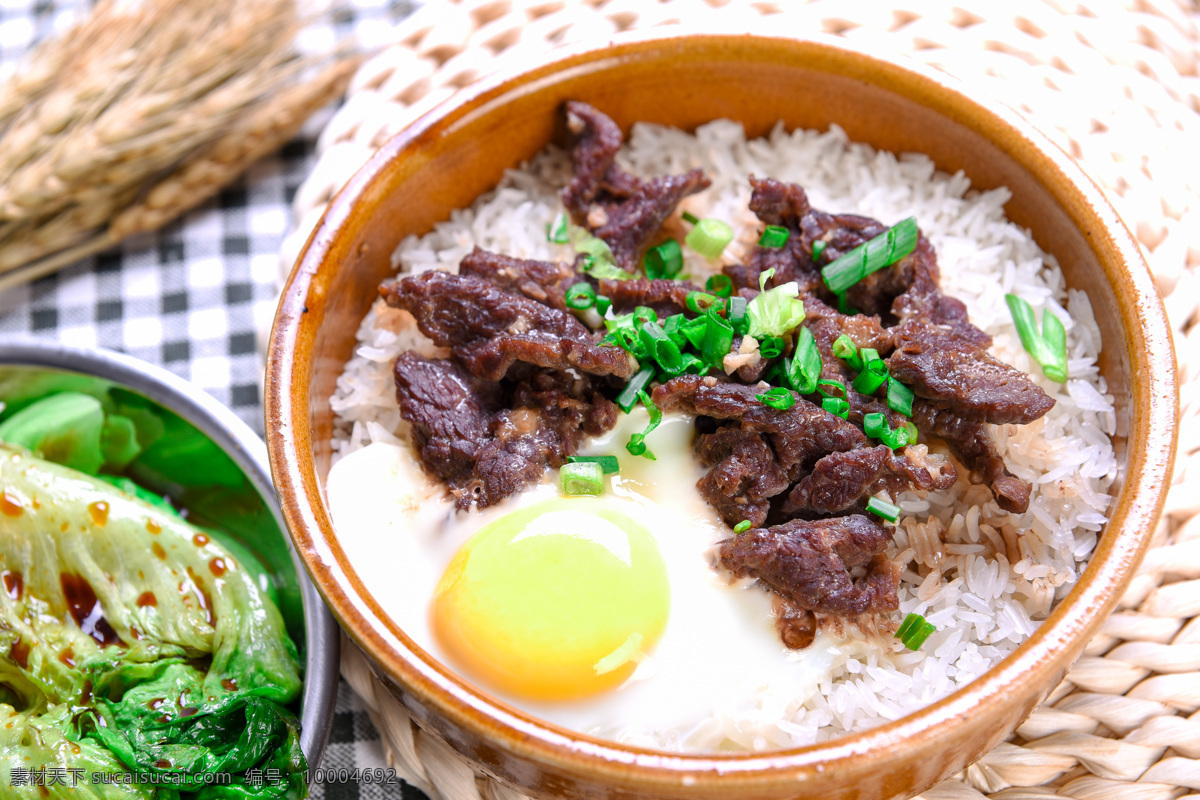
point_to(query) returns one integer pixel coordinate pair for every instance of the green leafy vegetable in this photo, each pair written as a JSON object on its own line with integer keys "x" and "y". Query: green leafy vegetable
{"x": 64, "y": 428}
{"x": 600, "y": 263}
{"x": 777, "y": 311}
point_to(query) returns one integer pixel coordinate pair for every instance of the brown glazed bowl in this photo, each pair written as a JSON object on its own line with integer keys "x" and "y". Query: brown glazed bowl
{"x": 459, "y": 150}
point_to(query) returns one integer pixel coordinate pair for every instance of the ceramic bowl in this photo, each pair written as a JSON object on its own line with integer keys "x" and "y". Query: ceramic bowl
{"x": 20, "y": 358}
{"x": 454, "y": 153}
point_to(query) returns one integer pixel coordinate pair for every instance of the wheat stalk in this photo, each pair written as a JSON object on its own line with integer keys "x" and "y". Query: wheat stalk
{"x": 141, "y": 112}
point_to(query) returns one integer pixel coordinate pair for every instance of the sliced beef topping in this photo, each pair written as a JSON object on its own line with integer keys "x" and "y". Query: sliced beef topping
{"x": 745, "y": 474}
{"x": 782, "y": 204}
{"x": 972, "y": 443}
{"x": 597, "y": 140}
{"x": 544, "y": 281}
{"x": 955, "y": 374}
{"x": 666, "y": 297}
{"x": 485, "y": 441}
{"x": 798, "y": 435}
{"x": 450, "y": 412}
{"x": 843, "y": 481}
{"x": 810, "y": 562}
{"x": 489, "y": 329}
{"x": 617, "y": 207}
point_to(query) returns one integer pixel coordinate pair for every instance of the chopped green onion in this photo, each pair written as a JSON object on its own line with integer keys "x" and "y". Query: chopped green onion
{"x": 673, "y": 327}
{"x": 777, "y": 311}
{"x": 581, "y": 295}
{"x": 556, "y": 231}
{"x": 608, "y": 464}
{"x": 882, "y": 508}
{"x": 602, "y": 304}
{"x": 694, "y": 330}
{"x": 845, "y": 349}
{"x": 875, "y": 424}
{"x": 644, "y": 314}
{"x": 710, "y": 237}
{"x": 823, "y": 383}
{"x": 718, "y": 340}
{"x": 742, "y": 526}
{"x": 899, "y": 397}
{"x": 637, "y": 442}
{"x": 843, "y": 306}
{"x": 805, "y": 368}
{"x": 911, "y": 429}
{"x": 836, "y": 406}
{"x": 774, "y": 237}
{"x": 699, "y": 302}
{"x": 660, "y": 347}
{"x": 628, "y": 397}
{"x": 778, "y": 398}
{"x": 736, "y": 311}
{"x": 770, "y": 347}
{"x": 720, "y": 285}
{"x": 818, "y": 249}
{"x": 874, "y": 373}
{"x": 689, "y": 217}
{"x": 1048, "y": 348}
{"x": 692, "y": 363}
{"x": 581, "y": 477}
{"x": 663, "y": 261}
{"x": 913, "y": 632}
{"x": 884, "y": 250}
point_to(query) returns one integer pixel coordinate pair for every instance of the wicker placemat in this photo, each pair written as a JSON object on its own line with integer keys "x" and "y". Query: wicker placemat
{"x": 1116, "y": 83}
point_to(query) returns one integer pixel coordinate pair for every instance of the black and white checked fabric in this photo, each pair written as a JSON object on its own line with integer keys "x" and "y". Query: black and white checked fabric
{"x": 195, "y": 296}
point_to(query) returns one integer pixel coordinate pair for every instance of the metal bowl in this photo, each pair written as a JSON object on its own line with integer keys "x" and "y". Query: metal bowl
{"x": 231, "y": 434}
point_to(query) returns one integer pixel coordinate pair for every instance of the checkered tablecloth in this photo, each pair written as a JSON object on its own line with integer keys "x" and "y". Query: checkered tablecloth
{"x": 195, "y": 297}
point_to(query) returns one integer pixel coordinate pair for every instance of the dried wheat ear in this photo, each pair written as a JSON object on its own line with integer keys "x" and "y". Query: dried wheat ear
{"x": 141, "y": 112}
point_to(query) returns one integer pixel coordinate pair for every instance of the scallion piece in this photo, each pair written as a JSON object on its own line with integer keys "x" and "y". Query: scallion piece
{"x": 660, "y": 347}
{"x": 736, "y": 311}
{"x": 557, "y": 230}
{"x": 710, "y": 237}
{"x": 818, "y": 249}
{"x": 873, "y": 424}
{"x": 911, "y": 428}
{"x": 845, "y": 349}
{"x": 608, "y": 464}
{"x": 899, "y": 397}
{"x": 805, "y": 368}
{"x": 771, "y": 347}
{"x": 689, "y": 217}
{"x": 581, "y": 295}
{"x": 692, "y": 363}
{"x": 581, "y": 477}
{"x": 663, "y": 261}
{"x": 874, "y": 373}
{"x": 821, "y": 384}
{"x": 1049, "y": 348}
{"x": 836, "y": 406}
{"x": 778, "y": 398}
{"x": 644, "y": 314}
{"x": 884, "y": 250}
{"x": 882, "y": 508}
{"x": 718, "y": 340}
{"x": 699, "y": 302}
{"x": 637, "y": 442}
{"x": 742, "y": 526}
{"x": 914, "y": 630}
{"x": 694, "y": 330}
{"x": 602, "y": 304}
{"x": 673, "y": 327}
{"x": 720, "y": 285}
{"x": 628, "y": 397}
{"x": 774, "y": 237}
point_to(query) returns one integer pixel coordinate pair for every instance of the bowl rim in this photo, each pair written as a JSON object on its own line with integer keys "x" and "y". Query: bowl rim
{"x": 1058, "y": 640}
{"x": 229, "y": 432}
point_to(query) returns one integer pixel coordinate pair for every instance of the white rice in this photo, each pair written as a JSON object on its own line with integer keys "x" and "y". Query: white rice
{"x": 984, "y": 577}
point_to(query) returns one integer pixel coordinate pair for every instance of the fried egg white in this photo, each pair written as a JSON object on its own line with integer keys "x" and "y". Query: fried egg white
{"x": 718, "y": 655}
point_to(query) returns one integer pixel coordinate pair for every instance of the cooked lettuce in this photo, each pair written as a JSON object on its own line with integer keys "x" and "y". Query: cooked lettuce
{"x": 162, "y": 640}
{"x": 776, "y": 311}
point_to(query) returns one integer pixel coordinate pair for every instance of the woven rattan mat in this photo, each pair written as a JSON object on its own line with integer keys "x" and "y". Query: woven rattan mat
{"x": 1114, "y": 82}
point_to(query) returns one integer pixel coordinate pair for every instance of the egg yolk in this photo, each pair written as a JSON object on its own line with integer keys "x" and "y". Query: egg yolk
{"x": 555, "y": 601}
